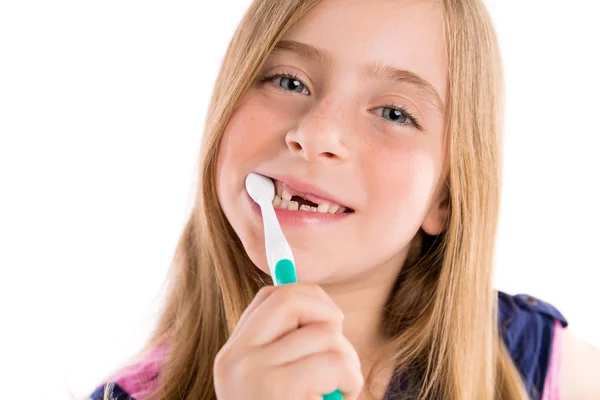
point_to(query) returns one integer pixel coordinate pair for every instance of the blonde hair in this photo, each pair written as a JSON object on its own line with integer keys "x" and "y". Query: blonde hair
{"x": 442, "y": 312}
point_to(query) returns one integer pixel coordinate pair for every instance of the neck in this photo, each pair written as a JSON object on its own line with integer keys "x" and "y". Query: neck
{"x": 362, "y": 300}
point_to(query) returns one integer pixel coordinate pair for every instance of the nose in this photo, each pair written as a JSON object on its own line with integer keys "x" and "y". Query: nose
{"x": 320, "y": 137}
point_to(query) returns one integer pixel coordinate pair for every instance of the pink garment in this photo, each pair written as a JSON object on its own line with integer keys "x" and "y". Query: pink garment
{"x": 139, "y": 379}
{"x": 552, "y": 382}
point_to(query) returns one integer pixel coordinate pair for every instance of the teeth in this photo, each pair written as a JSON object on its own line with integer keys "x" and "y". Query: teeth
{"x": 333, "y": 208}
{"x": 286, "y": 195}
{"x": 283, "y": 200}
{"x": 276, "y": 201}
{"x": 323, "y": 208}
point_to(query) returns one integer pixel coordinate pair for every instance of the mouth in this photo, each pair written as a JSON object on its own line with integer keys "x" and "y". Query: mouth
{"x": 293, "y": 195}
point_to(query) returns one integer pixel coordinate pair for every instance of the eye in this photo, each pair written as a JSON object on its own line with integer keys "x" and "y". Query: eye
{"x": 398, "y": 115}
{"x": 286, "y": 81}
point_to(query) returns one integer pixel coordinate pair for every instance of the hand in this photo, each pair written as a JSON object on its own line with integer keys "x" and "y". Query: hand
{"x": 288, "y": 345}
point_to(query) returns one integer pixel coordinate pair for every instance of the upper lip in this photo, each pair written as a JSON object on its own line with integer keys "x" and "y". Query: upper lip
{"x": 308, "y": 191}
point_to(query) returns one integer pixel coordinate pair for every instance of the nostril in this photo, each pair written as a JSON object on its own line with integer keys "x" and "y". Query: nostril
{"x": 328, "y": 155}
{"x": 295, "y": 146}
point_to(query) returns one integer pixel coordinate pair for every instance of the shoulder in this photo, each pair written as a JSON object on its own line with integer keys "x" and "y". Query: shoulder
{"x": 521, "y": 310}
{"x": 580, "y": 369}
{"x": 527, "y": 323}
{"x": 527, "y": 326}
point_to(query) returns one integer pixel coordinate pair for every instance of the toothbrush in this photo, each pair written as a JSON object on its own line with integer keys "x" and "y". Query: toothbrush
{"x": 279, "y": 253}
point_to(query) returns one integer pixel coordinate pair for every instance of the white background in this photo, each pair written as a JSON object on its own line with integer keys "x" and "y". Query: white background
{"x": 101, "y": 112}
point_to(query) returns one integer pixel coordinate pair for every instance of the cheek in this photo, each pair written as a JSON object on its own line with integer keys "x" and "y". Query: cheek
{"x": 402, "y": 181}
{"x": 246, "y": 139}
{"x": 243, "y": 138}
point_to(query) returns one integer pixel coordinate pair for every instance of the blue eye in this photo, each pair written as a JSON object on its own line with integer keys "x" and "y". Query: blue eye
{"x": 287, "y": 81}
{"x": 398, "y": 115}
{"x": 395, "y": 115}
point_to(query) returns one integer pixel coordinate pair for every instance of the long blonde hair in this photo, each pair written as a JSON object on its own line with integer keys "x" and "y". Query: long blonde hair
{"x": 442, "y": 312}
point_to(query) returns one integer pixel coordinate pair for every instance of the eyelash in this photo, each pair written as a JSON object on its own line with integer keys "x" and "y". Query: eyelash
{"x": 412, "y": 118}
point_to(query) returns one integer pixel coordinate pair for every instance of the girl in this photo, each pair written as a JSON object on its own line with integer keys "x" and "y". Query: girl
{"x": 380, "y": 125}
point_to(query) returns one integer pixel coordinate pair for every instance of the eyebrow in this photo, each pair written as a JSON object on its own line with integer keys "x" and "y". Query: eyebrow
{"x": 374, "y": 70}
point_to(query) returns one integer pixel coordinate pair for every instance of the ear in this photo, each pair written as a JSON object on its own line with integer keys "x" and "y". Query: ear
{"x": 437, "y": 218}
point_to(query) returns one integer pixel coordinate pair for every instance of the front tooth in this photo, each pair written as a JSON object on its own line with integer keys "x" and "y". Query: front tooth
{"x": 293, "y": 206}
{"x": 286, "y": 195}
{"x": 341, "y": 210}
{"x": 278, "y": 188}
{"x": 276, "y": 201}
{"x": 333, "y": 208}
{"x": 304, "y": 207}
{"x": 284, "y": 204}
{"x": 323, "y": 208}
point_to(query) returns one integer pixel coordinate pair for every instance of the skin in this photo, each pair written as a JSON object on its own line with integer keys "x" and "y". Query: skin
{"x": 580, "y": 369}
{"x": 332, "y": 129}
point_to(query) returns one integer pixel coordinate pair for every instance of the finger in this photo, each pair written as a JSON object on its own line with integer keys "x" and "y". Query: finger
{"x": 311, "y": 339}
{"x": 260, "y": 297}
{"x": 266, "y": 291}
{"x": 316, "y": 290}
{"x": 287, "y": 309}
{"x": 316, "y": 375}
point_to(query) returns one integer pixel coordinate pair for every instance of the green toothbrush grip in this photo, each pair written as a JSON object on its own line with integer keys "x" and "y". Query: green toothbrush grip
{"x": 285, "y": 272}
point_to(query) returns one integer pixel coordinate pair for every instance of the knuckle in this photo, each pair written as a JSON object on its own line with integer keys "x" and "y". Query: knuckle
{"x": 243, "y": 370}
{"x": 286, "y": 295}
{"x": 262, "y": 290}
{"x": 229, "y": 366}
{"x": 358, "y": 379}
{"x": 331, "y": 334}
{"x": 335, "y": 359}
{"x": 222, "y": 361}
{"x": 265, "y": 290}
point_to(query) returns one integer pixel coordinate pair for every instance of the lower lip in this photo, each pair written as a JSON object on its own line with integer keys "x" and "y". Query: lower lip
{"x": 300, "y": 217}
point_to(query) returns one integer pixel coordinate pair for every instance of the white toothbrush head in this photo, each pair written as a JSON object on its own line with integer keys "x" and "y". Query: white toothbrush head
{"x": 260, "y": 188}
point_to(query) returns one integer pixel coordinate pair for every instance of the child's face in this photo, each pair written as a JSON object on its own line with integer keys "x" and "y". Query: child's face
{"x": 331, "y": 128}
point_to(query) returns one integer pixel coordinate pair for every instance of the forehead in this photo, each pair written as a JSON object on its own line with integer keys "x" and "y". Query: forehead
{"x": 405, "y": 34}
